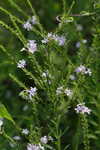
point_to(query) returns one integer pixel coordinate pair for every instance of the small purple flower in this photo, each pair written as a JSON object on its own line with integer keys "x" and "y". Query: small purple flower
{"x": 32, "y": 46}
{"x": 21, "y": 63}
{"x": 33, "y": 147}
{"x": 27, "y": 25}
{"x": 32, "y": 92}
{"x": 78, "y": 44}
{"x": 82, "y": 109}
{"x": 81, "y": 69}
{"x": 44, "y": 140}
{"x": 61, "y": 40}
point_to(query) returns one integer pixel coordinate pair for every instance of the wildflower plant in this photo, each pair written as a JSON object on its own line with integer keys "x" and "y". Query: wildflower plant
{"x": 59, "y": 85}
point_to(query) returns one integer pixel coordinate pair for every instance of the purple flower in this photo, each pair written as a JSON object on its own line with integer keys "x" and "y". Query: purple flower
{"x": 59, "y": 39}
{"x": 83, "y": 70}
{"x": 33, "y": 147}
{"x": 21, "y": 63}
{"x": 27, "y": 25}
{"x": 82, "y": 109}
{"x": 32, "y": 46}
{"x": 44, "y": 140}
{"x": 32, "y": 92}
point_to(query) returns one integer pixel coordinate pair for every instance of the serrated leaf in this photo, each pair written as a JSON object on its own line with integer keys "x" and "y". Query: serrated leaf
{"x": 5, "y": 114}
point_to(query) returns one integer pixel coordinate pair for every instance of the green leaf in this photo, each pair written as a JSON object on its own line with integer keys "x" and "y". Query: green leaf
{"x": 5, "y": 114}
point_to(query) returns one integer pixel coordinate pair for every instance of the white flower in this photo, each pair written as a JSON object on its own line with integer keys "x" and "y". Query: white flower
{"x": 25, "y": 131}
{"x": 12, "y": 145}
{"x": 46, "y": 74}
{"x": 50, "y": 138}
{"x": 33, "y": 147}
{"x": 59, "y": 90}
{"x": 45, "y": 40}
{"x": 81, "y": 108}
{"x": 32, "y": 46}
{"x": 88, "y": 71}
{"x": 72, "y": 77}
{"x": 25, "y": 108}
{"x": 50, "y": 35}
{"x": 44, "y": 140}
{"x": 23, "y": 49}
{"x": 1, "y": 122}
{"x": 34, "y": 20}
{"x": 68, "y": 92}
{"x": 27, "y": 25}
{"x": 21, "y": 63}
{"x": 84, "y": 41}
{"x": 41, "y": 147}
{"x": 17, "y": 138}
{"x": 79, "y": 27}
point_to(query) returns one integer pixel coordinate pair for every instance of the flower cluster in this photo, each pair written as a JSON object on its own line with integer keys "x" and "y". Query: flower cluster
{"x": 43, "y": 140}
{"x": 29, "y": 93}
{"x": 82, "y": 109}
{"x": 83, "y": 70}
{"x": 21, "y": 63}
{"x": 59, "y": 39}
{"x": 61, "y": 90}
{"x": 28, "y": 24}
